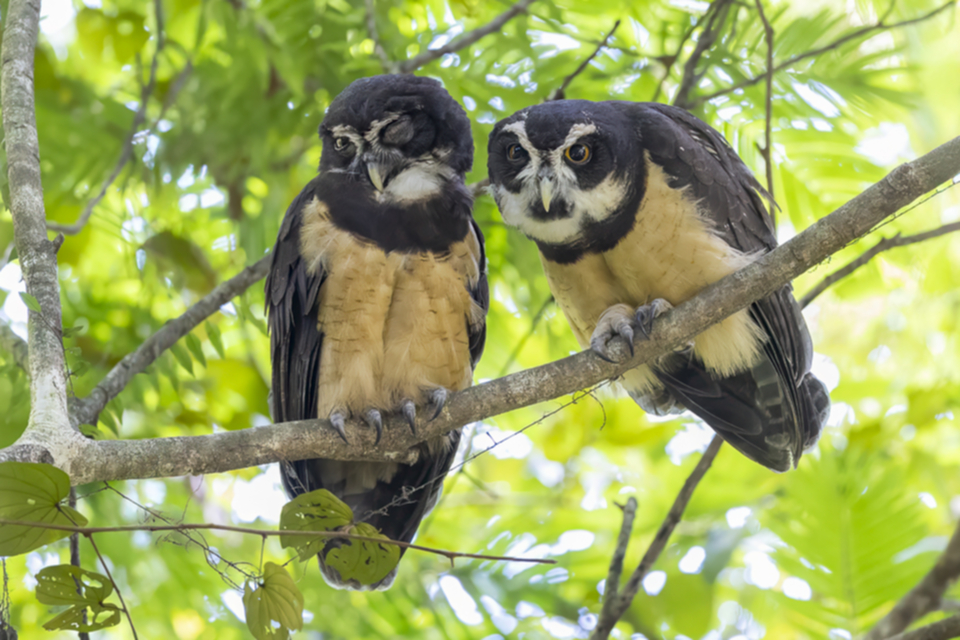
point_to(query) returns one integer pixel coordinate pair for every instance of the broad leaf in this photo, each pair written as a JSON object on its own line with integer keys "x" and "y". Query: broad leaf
{"x": 33, "y": 492}
{"x": 318, "y": 510}
{"x": 365, "y": 561}
{"x": 65, "y": 584}
{"x": 275, "y": 607}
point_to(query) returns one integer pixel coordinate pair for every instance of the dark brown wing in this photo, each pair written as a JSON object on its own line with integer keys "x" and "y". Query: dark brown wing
{"x": 776, "y": 409}
{"x": 481, "y": 295}
{"x": 295, "y": 340}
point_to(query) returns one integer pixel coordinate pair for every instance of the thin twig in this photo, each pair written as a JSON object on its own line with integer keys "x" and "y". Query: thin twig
{"x": 925, "y": 597}
{"x": 669, "y": 61}
{"x": 375, "y": 36}
{"x": 942, "y": 630}
{"x": 89, "y": 531}
{"x": 127, "y": 152}
{"x": 612, "y": 585}
{"x": 86, "y": 410}
{"x": 116, "y": 587}
{"x": 716, "y": 16}
{"x": 75, "y": 560}
{"x": 767, "y": 150}
{"x": 464, "y": 40}
{"x": 559, "y": 93}
{"x": 789, "y": 62}
{"x": 885, "y": 244}
{"x": 614, "y": 607}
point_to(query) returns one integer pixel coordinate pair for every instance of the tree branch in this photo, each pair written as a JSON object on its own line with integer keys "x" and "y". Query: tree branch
{"x": 789, "y": 62}
{"x": 767, "y": 150}
{"x": 616, "y": 603}
{"x": 88, "y": 533}
{"x": 465, "y": 40}
{"x": 716, "y": 16}
{"x": 86, "y": 410}
{"x": 127, "y": 151}
{"x": 49, "y": 420}
{"x": 16, "y": 346}
{"x": 559, "y": 93}
{"x": 942, "y": 630}
{"x": 612, "y": 585}
{"x": 195, "y": 455}
{"x": 375, "y": 36}
{"x": 923, "y": 598}
{"x": 885, "y": 244}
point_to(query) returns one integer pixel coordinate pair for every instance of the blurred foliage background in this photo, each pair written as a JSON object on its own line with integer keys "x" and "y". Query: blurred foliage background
{"x": 228, "y": 138}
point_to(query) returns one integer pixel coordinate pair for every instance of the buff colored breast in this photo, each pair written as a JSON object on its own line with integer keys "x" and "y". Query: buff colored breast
{"x": 669, "y": 253}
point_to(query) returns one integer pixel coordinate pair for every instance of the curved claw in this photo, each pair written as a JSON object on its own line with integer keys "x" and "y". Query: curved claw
{"x": 337, "y": 420}
{"x": 649, "y": 312}
{"x": 438, "y": 398}
{"x": 599, "y": 346}
{"x": 409, "y": 411}
{"x": 375, "y": 420}
{"x": 615, "y": 322}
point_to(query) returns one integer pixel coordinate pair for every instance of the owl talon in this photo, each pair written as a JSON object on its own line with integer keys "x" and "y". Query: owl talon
{"x": 617, "y": 321}
{"x": 648, "y": 313}
{"x": 337, "y": 421}
{"x": 409, "y": 411}
{"x": 375, "y": 420}
{"x": 437, "y": 399}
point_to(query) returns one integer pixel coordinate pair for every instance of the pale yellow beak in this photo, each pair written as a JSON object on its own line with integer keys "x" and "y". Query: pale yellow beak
{"x": 374, "y": 172}
{"x": 546, "y": 193}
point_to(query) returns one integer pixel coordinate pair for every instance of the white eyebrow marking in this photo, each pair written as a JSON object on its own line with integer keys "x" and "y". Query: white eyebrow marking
{"x": 377, "y": 125}
{"x": 520, "y": 130}
{"x": 346, "y": 131}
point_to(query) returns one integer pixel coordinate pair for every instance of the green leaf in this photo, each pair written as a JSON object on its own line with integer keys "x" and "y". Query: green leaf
{"x": 32, "y": 492}
{"x": 182, "y": 357}
{"x": 57, "y": 586}
{"x": 213, "y": 332}
{"x": 109, "y": 420}
{"x": 90, "y": 431}
{"x": 318, "y": 510}
{"x": 365, "y": 561}
{"x": 31, "y": 302}
{"x": 275, "y": 607}
{"x": 196, "y": 348}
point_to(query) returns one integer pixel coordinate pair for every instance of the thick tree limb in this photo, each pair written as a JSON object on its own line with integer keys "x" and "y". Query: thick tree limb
{"x": 49, "y": 423}
{"x": 885, "y": 244}
{"x": 862, "y": 32}
{"x": 464, "y": 40}
{"x": 923, "y": 598}
{"x": 85, "y": 411}
{"x": 616, "y": 602}
{"x": 164, "y": 457}
{"x": 127, "y": 152}
{"x": 942, "y": 630}
{"x": 16, "y": 346}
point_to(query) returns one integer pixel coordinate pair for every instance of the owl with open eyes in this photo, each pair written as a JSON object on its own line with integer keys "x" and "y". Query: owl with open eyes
{"x": 377, "y": 295}
{"x": 635, "y": 208}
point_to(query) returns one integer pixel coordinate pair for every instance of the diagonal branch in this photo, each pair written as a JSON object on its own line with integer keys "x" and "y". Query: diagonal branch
{"x": 165, "y": 457}
{"x": 942, "y": 630}
{"x": 86, "y": 410}
{"x": 375, "y": 36}
{"x": 616, "y": 602}
{"x": 716, "y": 16}
{"x": 923, "y": 598}
{"x": 11, "y": 342}
{"x": 465, "y": 40}
{"x": 559, "y": 93}
{"x": 885, "y": 244}
{"x": 853, "y": 35}
{"x": 127, "y": 152}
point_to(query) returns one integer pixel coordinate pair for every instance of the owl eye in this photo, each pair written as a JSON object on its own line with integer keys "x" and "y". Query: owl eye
{"x": 577, "y": 153}
{"x": 516, "y": 153}
{"x": 341, "y": 144}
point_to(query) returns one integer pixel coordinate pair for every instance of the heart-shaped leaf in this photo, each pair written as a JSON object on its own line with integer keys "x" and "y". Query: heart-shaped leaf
{"x": 365, "y": 561}
{"x": 58, "y": 586}
{"x": 275, "y": 607}
{"x": 33, "y": 492}
{"x": 318, "y": 510}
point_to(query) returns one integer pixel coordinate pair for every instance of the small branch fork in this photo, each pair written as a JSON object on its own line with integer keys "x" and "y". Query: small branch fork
{"x": 264, "y": 533}
{"x": 127, "y": 153}
{"x": 560, "y": 92}
{"x": 615, "y": 600}
{"x": 715, "y": 18}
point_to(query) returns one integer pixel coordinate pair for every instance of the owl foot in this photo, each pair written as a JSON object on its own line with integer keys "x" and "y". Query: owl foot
{"x": 337, "y": 421}
{"x": 375, "y": 420}
{"x": 437, "y": 398}
{"x": 409, "y": 411}
{"x": 646, "y": 314}
{"x": 617, "y": 321}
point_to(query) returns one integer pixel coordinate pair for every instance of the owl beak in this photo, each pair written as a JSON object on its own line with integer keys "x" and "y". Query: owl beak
{"x": 546, "y": 193}
{"x": 374, "y": 172}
